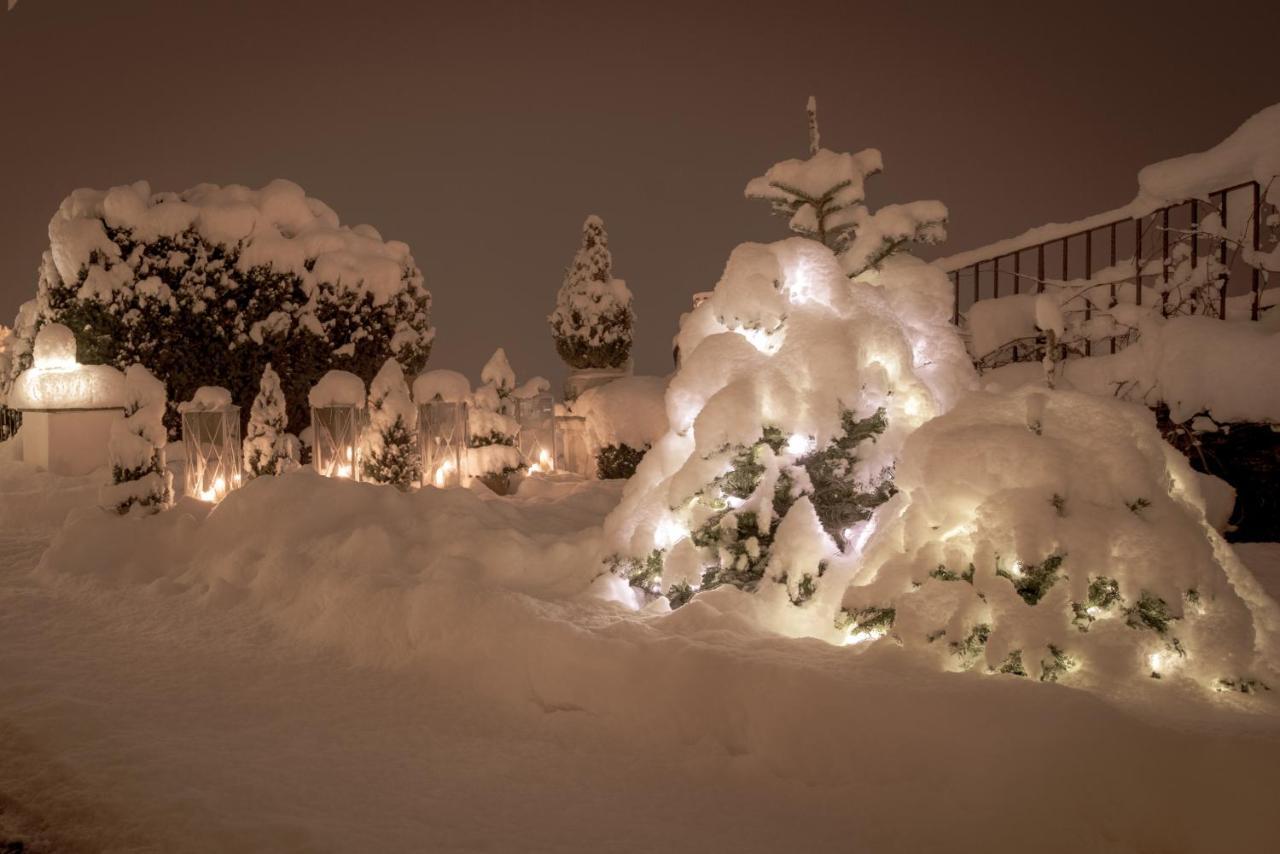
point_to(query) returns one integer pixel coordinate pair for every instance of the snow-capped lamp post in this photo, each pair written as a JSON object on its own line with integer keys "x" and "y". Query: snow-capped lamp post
{"x": 535, "y": 410}
{"x": 441, "y": 397}
{"x": 68, "y": 408}
{"x": 211, "y": 440}
{"x": 337, "y": 422}
{"x": 592, "y": 320}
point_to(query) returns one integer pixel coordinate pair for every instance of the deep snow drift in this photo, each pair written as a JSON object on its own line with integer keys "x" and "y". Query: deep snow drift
{"x": 184, "y": 682}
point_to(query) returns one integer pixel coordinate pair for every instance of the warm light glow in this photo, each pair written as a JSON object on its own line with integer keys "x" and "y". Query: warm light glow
{"x": 216, "y": 492}
{"x": 441, "y": 476}
{"x": 857, "y": 636}
{"x": 1016, "y": 569}
{"x": 544, "y": 463}
{"x": 344, "y": 470}
{"x": 668, "y": 533}
{"x": 799, "y": 444}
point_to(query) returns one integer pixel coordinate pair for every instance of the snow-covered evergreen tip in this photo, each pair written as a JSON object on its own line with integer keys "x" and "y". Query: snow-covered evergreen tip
{"x": 592, "y": 320}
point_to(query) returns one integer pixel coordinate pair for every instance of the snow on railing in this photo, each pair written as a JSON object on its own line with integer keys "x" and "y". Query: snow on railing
{"x": 1196, "y": 256}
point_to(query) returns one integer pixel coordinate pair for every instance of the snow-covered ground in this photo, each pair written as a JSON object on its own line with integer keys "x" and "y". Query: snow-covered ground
{"x": 439, "y": 672}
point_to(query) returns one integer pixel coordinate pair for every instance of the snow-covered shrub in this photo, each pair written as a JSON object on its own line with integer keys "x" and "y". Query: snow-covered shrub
{"x": 391, "y": 438}
{"x": 136, "y": 448}
{"x": 795, "y": 391}
{"x": 268, "y": 449}
{"x": 1053, "y": 534}
{"x": 624, "y": 418}
{"x": 493, "y": 456}
{"x": 240, "y": 277}
{"x": 592, "y": 320}
{"x": 823, "y": 198}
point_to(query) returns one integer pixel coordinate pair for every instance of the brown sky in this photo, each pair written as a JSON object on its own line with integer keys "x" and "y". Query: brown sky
{"x": 483, "y": 133}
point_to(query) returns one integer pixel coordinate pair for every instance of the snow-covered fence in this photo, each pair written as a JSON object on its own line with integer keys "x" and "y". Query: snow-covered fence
{"x": 1189, "y": 257}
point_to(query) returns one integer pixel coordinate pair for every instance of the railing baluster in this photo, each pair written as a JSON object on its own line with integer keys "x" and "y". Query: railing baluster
{"x": 1164, "y": 262}
{"x": 1137, "y": 259}
{"x": 1113, "y": 283}
{"x": 955, "y": 314}
{"x": 1222, "y": 258}
{"x": 1088, "y": 304}
{"x": 1256, "y": 309}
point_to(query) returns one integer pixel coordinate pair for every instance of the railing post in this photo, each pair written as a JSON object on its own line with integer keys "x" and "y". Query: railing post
{"x": 1137, "y": 258}
{"x": 1040, "y": 269}
{"x": 975, "y": 282}
{"x": 1195, "y": 232}
{"x": 1113, "y": 284}
{"x": 995, "y": 278}
{"x": 1256, "y": 309}
{"x": 1222, "y": 257}
{"x": 955, "y": 314}
{"x": 1017, "y": 272}
{"x": 1164, "y": 262}
{"x": 1088, "y": 275}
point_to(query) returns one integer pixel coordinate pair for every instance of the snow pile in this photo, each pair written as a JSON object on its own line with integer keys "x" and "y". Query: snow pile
{"x": 1195, "y": 365}
{"x": 338, "y": 388}
{"x": 592, "y": 320}
{"x": 1055, "y": 535}
{"x": 1250, "y": 153}
{"x": 628, "y": 411}
{"x": 136, "y": 448}
{"x": 55, "y": 348}
{"x": 56, "y": 381}
{"x": 208, "y": 398}
{"x": 796, "y": 389}
{"x": 446, "y": 385}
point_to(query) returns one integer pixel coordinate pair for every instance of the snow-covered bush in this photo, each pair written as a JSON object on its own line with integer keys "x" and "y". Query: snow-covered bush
{"x": 268, "y": 449}
{"x": 391, "y": 438}
{"x": 795, "y": 391}
{"x": 136, "y": 448}
{"x": 624, "y": 418}
{"x": 493, "y": 456}
{"x": 592, "y": 320}
{"x": 824, "y": 195}
{"x": 1055, "y": 535}
{"x": 240, "y": 277}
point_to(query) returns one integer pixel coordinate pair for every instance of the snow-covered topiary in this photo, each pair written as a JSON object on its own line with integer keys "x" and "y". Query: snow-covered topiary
{"x": 824, "y": 199}
{"x": 493, "y": 456}
{"x": 592, "y": 320}
{"x": 1055, "y": 535}
{"x": 268, "y": 449}
{"x": 624, "y": 418}
{"x": 241, "y": 277}
{"x": 391, "y": 438}
{"x": 797, "y": 387}
{"x": 139, "y": 478}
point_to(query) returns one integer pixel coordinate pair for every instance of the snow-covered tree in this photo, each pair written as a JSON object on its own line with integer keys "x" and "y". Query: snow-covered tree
{"x": 1053, "y": 534}
{"x": 592, "y": 320}
{"x": 136, "y": 448}
{"x": 824, "y": 199}
{"x": 493, "y": 455}
{"x": 241, "y": 277}
{"x": 795, "y": 391}
{"x": 391, "y": 440}
{"x": 268, "y": 449}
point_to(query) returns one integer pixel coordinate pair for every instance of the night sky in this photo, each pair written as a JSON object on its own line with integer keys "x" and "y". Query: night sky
{"x": 482, "y": 134}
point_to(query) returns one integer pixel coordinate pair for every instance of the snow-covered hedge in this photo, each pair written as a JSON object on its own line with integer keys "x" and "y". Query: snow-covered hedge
{"x": 1055, "y": 535}
{"x": 139, "y": 480}
{"x": 240, "y": 277}
{"x": 624, "y": 418}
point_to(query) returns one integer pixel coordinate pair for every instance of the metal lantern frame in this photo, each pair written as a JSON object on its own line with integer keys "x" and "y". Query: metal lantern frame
{"x": 211, "y": 439}
{"x": 537, "y": 439}
{"x": 336, "y": 432}
{"x": 442, "y": 442}
{"x": 572, "y": 451}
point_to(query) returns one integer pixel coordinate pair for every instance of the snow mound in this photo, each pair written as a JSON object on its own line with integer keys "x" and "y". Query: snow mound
{"x": 446, "y": 385}
{"x": 1250, "y": 153}
{"x": 628, "y": 411}
{"x": 207, "y": 398}
{"x": 337, "y": 388}
{"x": 1054, "y": 535}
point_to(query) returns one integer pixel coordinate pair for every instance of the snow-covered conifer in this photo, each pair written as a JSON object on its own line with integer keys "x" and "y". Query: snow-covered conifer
{"x": 391, "y": 442}
{"x": 795, "y": 391}
{"x": 824, "y": 199}
{"x": 493, "y": 455}
{"x": 592, "y": 320}
{"x": 267, "y": 447}
{"x": 136, "y": 448}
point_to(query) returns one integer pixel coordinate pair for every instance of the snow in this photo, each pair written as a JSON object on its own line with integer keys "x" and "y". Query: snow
{"x": 1193, "y": 364}
{"x": 627, "y": 411}
{"x": 83, "y": 387}
{"x": 277, "y": 225}
{"x": 208, "y": 398}
{"x": 442, "y": 669}
{"x": 446, "y": 385}
{"x": 497, "y": 371}
{"x": 54, "y": 348}
{"x": 337, "y": 388}
{"x": 812, "y": 177}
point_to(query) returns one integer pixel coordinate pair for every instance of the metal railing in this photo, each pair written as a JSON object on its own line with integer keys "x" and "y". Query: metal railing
{"x": 10, "y": 421}
{"x": 1140, "y": 240}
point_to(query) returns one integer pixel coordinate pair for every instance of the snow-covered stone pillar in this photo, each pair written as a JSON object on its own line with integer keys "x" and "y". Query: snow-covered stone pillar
{"x": 67, "y": 408}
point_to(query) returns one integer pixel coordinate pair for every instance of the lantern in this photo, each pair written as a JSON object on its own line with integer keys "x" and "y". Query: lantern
{"x": 537, "y": 441}
{"x": 442, "y": 442}
{"x": 571, "y": 452}
{"x": 335, "y": 448}
{"x": 211, "y": 439}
